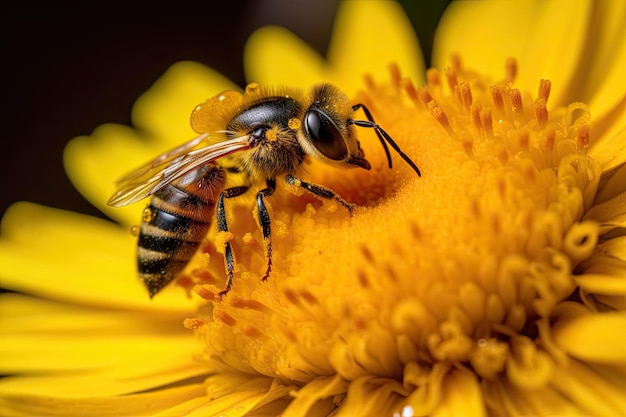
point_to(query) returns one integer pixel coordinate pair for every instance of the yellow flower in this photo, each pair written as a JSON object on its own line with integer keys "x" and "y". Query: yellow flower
{"x": 493, "y": 285}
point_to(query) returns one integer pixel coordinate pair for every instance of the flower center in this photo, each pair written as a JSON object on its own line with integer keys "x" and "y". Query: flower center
{"x": 460, "y": 268}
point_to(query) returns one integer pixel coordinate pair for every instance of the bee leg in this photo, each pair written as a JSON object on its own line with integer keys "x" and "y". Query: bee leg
{"x": 320, "y": 191}
{"x": 222, "y": 226}
{"x": 264, "y": 223}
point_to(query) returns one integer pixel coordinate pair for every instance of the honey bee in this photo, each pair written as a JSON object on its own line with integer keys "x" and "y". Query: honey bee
{"x": 259, "y": 135}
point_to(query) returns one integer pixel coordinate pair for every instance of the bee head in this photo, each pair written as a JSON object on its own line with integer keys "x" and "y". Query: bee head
{"x": 327, "y": 133}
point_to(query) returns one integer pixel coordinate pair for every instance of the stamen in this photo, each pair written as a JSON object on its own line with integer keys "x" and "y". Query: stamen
{"x": 205, "y": 292}
{"x": 582, "y": 136}
{"x": 432, "y": 78}
{"x": 450, "y": 74}
{"x": 424, "y": 95}
{"x": 541, "y": 112}
{"x": 370, "y": 84}
{"x": 441, "y": 117}
{"x": 496, "y": 95}
{"x": 516, "y": 102}
{"x": 455, "y": 60}
{"x": 193, "y": 323}
{"x": 549, "y": 140}
{"x": 510, "y": 70}
{"x": 410, "y": 90}
{"x": 544, "y": 89}
{"x": 486, "y": 121}
{"x": 466, "y": 95}
{"x": 224, "y": 317}
{"x": 396, "y": 75}
{"x": 475, "y": 116}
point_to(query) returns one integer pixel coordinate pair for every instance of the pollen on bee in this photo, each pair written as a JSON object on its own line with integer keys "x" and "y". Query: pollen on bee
{"x": 271, "y": 134}
{"x": 252, "y": 88}
{"x": 146, "y": 214}
{"x": 221, "y": 239}
{"x": 294, "y": 123}
{"x": 134, "y": 230}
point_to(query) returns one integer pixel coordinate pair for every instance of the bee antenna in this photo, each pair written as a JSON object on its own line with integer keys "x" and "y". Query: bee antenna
{"x": 382, "y": 136}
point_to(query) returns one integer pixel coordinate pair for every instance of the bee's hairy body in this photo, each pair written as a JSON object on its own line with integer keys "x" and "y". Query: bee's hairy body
{"x": 257, "y": 136}
{"x": 275, "y": 156}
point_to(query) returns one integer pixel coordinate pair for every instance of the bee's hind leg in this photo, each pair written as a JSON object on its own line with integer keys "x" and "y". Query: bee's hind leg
{"x": 222, "y": 226}
{"x": 320, "y": 191}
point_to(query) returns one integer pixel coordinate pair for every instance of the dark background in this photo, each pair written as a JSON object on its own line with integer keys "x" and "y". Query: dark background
{"x": 69, "y": 68}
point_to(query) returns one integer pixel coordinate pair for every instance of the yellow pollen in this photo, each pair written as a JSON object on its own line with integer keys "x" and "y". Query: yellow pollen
{"x": 134, "y": 230}
{"x": 294, "y": 123}
{"x": 271, "y": 134}
{"x": 193, "y": 323}
{"x": 252, "y": 88}
{"x": 146, "y": 214}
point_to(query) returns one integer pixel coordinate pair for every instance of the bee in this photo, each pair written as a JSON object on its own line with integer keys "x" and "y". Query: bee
{"x": 258, "y": 136}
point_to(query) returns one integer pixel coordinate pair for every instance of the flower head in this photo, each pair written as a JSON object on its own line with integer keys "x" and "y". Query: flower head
{"x": 491, "y": 285}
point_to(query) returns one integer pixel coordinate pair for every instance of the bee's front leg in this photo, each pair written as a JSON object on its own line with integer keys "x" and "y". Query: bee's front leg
{"x": 264, "y": 223}
{"x": 320, "y": 191}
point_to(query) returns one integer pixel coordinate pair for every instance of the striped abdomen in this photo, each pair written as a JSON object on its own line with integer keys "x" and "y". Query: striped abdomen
{"x": 174, "y": 224}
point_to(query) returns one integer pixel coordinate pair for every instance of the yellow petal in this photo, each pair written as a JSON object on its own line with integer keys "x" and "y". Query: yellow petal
{"x": 602, "y": 76}
{"x": 591, "y": 392}
{"x": 611, "y": 185}
{"x": 90, "y": 351}
{"x": 484, "y": 34}
{"x": 532, "y": 32}
{"x": 593, "y": 337}
{"x": 610, "y": 148}
{"x": 95, "y": 162}
{"x": 275, "y": 56}
{"x": 461, "y": 396}
{"x": 75, "y": 258}
{"x": 145, "y": 404}
{"x": 163, "y": 111}
{"x": 610, "y": 214}
{"x": 368, "y": 37}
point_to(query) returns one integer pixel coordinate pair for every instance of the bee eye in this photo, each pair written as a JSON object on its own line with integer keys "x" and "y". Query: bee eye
{"x": 325, "y": 135}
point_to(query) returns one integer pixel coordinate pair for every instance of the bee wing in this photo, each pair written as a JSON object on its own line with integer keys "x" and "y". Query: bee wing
{"x": 168, "y": 167}
{"x": 161, "y": 160}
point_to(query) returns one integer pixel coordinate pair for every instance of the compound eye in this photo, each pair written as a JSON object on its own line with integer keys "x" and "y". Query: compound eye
{"x": 325, "y": 135}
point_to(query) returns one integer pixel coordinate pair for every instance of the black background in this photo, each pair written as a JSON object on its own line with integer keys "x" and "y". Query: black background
{"x": 68, "y": 68}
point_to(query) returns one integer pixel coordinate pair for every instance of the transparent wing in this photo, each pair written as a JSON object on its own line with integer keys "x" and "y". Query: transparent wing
{"x": 156, "y": 174}
{"x": 161, "y": 160}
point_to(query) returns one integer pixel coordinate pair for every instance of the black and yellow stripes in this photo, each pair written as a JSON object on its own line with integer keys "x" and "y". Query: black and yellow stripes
{"x": 176, "y": 221}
